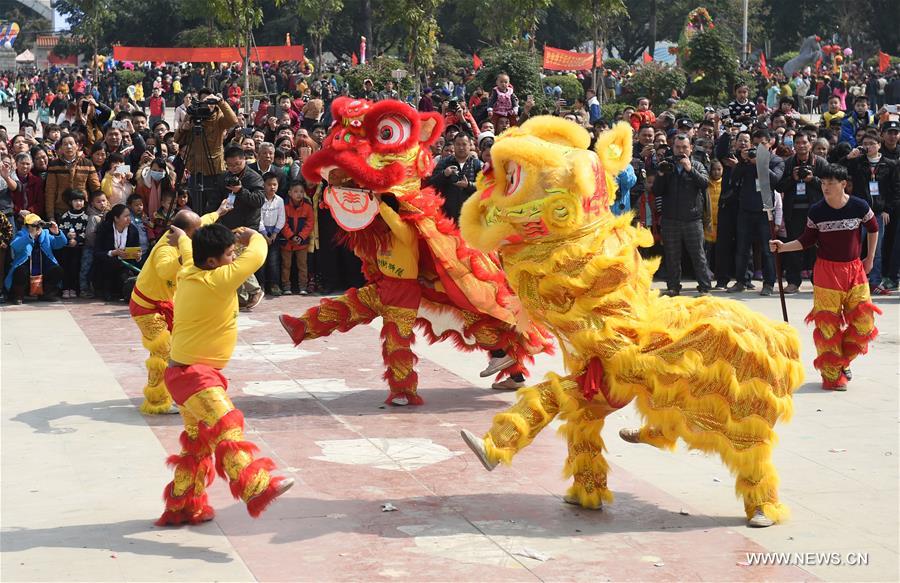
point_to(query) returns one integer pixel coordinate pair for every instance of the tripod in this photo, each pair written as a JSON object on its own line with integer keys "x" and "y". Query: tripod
{"x": 198, "y": 188}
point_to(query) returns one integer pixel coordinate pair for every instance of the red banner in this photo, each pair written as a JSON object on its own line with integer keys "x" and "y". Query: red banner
{"x": 560, "y": 60}
{"x": 884, "y": 62}
{"x": 207, "y": 54}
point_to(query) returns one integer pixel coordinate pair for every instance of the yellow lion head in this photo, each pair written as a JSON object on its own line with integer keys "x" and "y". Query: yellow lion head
{"x": 544, "y": 183}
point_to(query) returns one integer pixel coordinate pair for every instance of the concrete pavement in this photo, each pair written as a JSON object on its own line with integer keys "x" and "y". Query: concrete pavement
{"x": 82, "y": 470}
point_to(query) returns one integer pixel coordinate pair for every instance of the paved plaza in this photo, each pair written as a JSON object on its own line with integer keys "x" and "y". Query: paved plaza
{"x": 83, "y": 470}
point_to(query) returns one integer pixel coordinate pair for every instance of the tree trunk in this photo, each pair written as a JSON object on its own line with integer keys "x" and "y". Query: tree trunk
{"x": 319, "y": 54}
{"x": 652, "y": 43}
{"x": 367, "y": 26}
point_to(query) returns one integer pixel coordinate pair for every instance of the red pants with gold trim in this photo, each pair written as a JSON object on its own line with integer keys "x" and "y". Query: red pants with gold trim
{"x": 213, "y": 429}
{"x": 843, "y": 313}
{"x": 397, "y": 302}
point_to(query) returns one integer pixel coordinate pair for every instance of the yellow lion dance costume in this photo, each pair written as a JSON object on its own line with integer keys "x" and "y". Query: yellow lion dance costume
{"x": 708, "y": 371}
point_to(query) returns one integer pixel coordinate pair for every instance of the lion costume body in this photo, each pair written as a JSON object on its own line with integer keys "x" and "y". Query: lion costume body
{"x": 420, "y": 273}
{"x": 708, "y": 371}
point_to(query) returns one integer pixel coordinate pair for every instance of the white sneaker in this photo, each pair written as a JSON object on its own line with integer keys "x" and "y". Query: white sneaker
{"x": 508, "y": 384}
{"x": 173, "y": 410}
{"x": 400, "y": 400}
{"x": 476, "y": 444}
{"x": 496, "y": 364}
{"x": 760, "y": 520}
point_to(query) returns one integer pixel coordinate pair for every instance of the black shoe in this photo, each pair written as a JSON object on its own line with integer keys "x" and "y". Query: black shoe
{"x": 16, "y": 301}
{"x": 749, "y": 285}
{"x": 767, "y": 290}
{"x": 671, "y": 293}
{"x": 721, "y": 285}
{"x": 702, "y": 291}
{"x": 736, "y": 288}
{"x": 49, "y": 298}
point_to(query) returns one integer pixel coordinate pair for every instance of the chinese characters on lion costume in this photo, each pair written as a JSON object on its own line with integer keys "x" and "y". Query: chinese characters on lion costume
{"x": 708, "y": 371}
{"x": 420, "y": 273}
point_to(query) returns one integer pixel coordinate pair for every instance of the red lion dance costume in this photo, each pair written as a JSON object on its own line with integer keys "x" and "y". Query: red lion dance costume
{"x": 419, "y": 271}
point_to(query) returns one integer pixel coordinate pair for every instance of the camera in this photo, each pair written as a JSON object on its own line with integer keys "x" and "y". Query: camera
{"x": 200, "y": 112}
{"x": 666, "y": 166}
{"x": 232, "y": 180}
{"x": 804, "y": 172}
{"x": 751, "y": 153}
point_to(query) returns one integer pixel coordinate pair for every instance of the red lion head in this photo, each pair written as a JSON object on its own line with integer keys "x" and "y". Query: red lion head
{"x": 372, "y": 148}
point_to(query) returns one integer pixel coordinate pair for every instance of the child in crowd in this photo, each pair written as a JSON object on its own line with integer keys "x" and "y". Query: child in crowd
{"x": 116, "y": 183}
{"x": 164, "y": 214}
{"x": 298, "y": 225}
{"x": 181, "y": 201}
{"x": 503, "y": 102}
{"x": 643, "y": 115}
{"x": 96, "y": 211}
{"x": 72, "y": 224}
{"x": 142, "y": 222}
{"x": 272, "y": 219}
{"x": 714, "y": 189}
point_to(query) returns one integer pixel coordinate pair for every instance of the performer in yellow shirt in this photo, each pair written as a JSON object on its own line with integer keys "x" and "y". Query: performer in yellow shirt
{"x": 203, "y": 339}
{"x": 151, "y": 306}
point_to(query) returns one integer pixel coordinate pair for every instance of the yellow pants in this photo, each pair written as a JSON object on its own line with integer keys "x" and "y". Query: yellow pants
{"x": 157, "y": 340}
{"x": 536, "y": 407}
{"x": 214, "y": 427}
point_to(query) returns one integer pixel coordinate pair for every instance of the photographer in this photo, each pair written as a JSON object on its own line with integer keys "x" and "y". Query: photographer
{"x": 454, "y": 176}
{"x": 458, "y": 115}
{"x": 113, "y": 138}
{"x": 801, "y": 187}
{"x": 245, "y": 192}
{"x": 753, "y": 221}
{"x": 34, "y": 266}
{"x": 201, "y": 137}
{"x": 681, "y": 185}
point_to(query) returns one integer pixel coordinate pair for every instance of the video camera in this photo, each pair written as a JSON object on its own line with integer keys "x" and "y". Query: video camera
{"x": 200, "y": 111}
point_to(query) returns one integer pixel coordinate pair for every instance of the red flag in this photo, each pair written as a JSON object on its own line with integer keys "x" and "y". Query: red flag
{"x": 476, "y": 62}
{"x": 354, "y": 60}
{"x": 819, "y": 64}
{"x": 884, "y": 62}
{"x": 648, "y": 58}
{"x": 762, "y": 66}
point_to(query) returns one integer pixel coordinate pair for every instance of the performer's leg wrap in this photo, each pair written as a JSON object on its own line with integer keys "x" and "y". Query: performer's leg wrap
{"x": 185, "y": 495}
{"x": 492, "y": 334}
{"x": 156, "y": 339}
{"x": 828, "y": 335}
{"x": 516, "y": 427}
{"x": 357, "y": 306}
{"x": 585, "y": 463}
{"x": 396, "y": 349}
{"x": 222, "y": 431}
{"x": 859, "y": 312}
{"x": 757, "y": 483}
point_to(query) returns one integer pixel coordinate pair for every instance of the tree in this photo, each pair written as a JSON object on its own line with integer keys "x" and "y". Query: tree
{"x": 88, "y": 19}
{"x": 711, "y": 64}
{"x": 418, "y": 21}
{"x": 598, "y": 16}
{"x": 319, "y": 27}
{"x": 239, "y": 17}
{"x": 509, "y": 22}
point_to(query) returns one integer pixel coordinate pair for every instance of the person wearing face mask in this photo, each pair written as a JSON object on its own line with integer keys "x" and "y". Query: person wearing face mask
{"x": 876, "y": 180}
{"x": 153, "y": 180}
{"x": 801, "y": 187}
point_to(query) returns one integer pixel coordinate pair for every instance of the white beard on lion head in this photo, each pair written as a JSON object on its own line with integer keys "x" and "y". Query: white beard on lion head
{"x": 353, "y": 209}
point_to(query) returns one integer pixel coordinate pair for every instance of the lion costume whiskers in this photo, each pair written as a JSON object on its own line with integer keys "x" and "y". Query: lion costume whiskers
{"x": 708, "y": 371}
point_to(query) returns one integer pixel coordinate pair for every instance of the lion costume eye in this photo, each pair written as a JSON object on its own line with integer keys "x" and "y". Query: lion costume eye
{"x": 393, "y": 130}
{"x": 515, "y": 176}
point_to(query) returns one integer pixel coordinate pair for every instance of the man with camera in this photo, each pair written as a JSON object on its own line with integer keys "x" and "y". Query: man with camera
{"x": 801, "y": 187}
{"x": 681, "y": 185}
{"x": 201, "y": 138}
{"x": 454, "y": 176}
{"x": 755, "y": 201}
{"x": 244, "y": 192}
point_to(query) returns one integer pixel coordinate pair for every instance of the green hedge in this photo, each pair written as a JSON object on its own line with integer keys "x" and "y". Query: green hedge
{"x": 783, "y": 58}
{"x": 522, "y": 66}
{"x": 614, "y": 64}
{"x": 128, "y": 77}
{"x": 570, "y": 85}
{"x": 655, "y": 81}
{"x": 379, "y": 71}
{"x": 692, "y": 109}
{"x": 611, "y": 109}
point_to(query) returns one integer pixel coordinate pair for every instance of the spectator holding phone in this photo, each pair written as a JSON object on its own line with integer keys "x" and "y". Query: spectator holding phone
{"x": 457, "y": 115}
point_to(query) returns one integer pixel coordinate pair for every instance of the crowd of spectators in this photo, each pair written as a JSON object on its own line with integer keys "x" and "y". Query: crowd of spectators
{"x": 95, "y": 173}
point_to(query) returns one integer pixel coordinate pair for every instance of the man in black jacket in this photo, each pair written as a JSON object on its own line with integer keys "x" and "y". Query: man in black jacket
{"x": 801, "y": 187}
{"x": 454, "y": 176}
{"x": 875, "y": 179}
{"x": 753, "y": 221}
{"x": 682, "y": 186}
{"x": 248, "y": 197}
